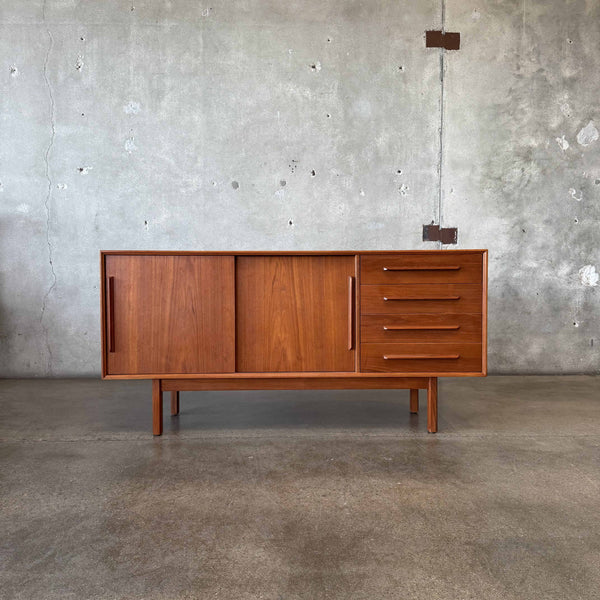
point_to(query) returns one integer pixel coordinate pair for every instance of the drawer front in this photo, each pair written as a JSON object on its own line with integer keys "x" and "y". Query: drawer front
{"x": 442, "y": 267}
{"x": 421, "y": 328}
{"x": 421, "y": 358}
{"x": 420, "y": 298}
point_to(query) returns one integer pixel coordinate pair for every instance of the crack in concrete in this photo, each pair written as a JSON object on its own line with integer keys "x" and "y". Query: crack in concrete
{"x": 49, "y": 191}
{"x": 441, "y": 159}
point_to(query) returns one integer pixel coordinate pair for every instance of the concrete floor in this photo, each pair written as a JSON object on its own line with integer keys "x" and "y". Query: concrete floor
{"x": 312, "y": 495}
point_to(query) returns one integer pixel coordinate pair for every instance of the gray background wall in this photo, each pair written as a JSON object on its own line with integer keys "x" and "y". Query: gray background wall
{"x": 196, "y": 125}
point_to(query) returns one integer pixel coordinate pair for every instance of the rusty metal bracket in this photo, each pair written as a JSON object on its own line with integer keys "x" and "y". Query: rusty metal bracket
{"x": 435, "y": 233}
{"x": 442, "y": 39}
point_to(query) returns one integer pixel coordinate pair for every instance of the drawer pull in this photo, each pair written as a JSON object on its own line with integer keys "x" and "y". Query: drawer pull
{"x": 448, "y": 268}
{"x": 387, "y": 299}
{"x": 419, "y": 356}
{"x": 419, "y": 327}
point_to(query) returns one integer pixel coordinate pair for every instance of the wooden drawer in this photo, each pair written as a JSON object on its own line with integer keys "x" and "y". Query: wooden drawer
{"x": 420, "y": 358}
{"x": 421, "y": 328}
{"x": 420, "y": 298}
{"x": 442, "y": 267}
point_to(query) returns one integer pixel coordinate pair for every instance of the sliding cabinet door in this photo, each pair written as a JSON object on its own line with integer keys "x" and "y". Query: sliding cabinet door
{"x": 295, "y": 313}
{"x": 169, "y": 314}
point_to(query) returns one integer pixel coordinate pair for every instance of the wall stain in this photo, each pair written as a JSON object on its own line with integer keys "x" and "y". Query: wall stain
{"x": 588, "y": 276}
{"x": 563, "y": 143}
{"x": 132, "y": 108}
{"x": 587, "y": 135}
{"x": 573, "y": 194}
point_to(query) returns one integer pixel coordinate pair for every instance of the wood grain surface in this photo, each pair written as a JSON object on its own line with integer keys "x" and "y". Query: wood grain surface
{"x": 433, "y": 328}
{"x": 172, "y": 314}
{"x": 421, "y": 298}
{"x": 350, "y": 382}
{"x": 292, "y": 313}
{"x": 432, "y": 358}
{"x": 435, "y": 267}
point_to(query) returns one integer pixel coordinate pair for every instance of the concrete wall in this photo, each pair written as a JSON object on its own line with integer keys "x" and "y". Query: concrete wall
{"x": 261, "y": 124}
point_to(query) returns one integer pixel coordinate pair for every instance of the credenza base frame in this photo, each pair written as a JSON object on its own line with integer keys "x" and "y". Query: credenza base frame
{"x": 414, "y": 384}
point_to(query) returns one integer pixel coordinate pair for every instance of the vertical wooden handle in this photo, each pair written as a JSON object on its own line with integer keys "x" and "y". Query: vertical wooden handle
{"x": 350, "y": 312}
{"x": 111, "y": 314}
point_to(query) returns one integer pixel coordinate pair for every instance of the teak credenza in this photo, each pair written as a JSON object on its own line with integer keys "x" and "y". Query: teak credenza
{"x": 294, "y": 320}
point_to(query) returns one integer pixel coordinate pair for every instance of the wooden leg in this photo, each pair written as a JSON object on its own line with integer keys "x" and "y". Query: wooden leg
{"x": 157, "y": 407}
{"x": 414, "y": 401}
{"x": 432, "y": 417}
{"x": 174, "y": 403}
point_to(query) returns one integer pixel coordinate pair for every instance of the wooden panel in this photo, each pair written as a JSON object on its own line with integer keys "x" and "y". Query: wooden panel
{"x": 436, "y": 267}
{"x": 421, "y": 298}
{"x": 296, "y": 383}
{"x": 284, "y": 375}
{"x": 292, "y": 313}
{"x": 421, "y": 328}
{"x": 484, "y": 310}
{"x": 171, "y": 314}
{"x": 420, "y": 358}
{"x": 357, "y": 312}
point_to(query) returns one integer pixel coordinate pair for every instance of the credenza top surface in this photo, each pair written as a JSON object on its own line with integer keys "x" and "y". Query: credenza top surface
{"x": 286, "y": 252}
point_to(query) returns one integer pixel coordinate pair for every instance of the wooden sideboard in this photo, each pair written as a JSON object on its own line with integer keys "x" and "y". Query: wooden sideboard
{"x": 293, "y": 320}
